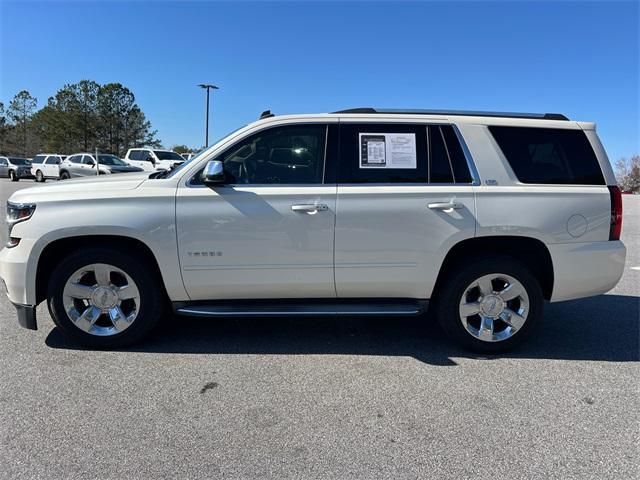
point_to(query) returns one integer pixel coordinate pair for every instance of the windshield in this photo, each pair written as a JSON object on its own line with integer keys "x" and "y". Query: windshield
{"x": 197, "y": 156}
{"x": 165, "y": 155}
{"x": 19, "y": 161}
{"x": 110, "y": 160}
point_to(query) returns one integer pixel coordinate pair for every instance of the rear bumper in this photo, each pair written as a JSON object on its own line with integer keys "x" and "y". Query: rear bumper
{"x": 586, "y": 269}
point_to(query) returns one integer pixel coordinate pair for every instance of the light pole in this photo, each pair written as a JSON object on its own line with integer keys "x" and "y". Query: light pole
{"x": 207, "y": 87}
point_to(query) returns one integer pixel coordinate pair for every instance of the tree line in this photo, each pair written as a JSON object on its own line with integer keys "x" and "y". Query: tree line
{"x": 80, "y": 117}
{"x": 628, "y": 173}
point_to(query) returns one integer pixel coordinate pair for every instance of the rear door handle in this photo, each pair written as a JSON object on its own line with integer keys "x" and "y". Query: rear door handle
{"x": 310, "y": 208}
{"x": 445, "y": 206}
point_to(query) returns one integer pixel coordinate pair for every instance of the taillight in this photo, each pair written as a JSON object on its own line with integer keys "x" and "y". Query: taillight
{"x": 616, "y": 213}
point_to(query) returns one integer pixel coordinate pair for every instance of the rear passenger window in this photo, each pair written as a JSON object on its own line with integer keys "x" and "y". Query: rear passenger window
{"x": 134, "y": 155}
{"x": 439, "y": 157}
{"x": 38, "y": 159}
{"x": 549, "y": 155}
{"x": 354, "y": 136}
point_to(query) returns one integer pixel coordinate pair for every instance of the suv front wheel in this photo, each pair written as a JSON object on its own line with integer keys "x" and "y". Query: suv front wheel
{"x": 102, "y": 298}
{"x": 489, "y": 305}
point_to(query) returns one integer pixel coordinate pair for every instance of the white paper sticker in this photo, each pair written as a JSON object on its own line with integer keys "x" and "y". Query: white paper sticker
{"x": 388, "y": 150}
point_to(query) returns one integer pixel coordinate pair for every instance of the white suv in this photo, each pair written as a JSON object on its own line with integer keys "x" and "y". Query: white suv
{"x": 153, "y": 159}
{"x": 483, "y": 216}
{"x": 46, "y": 166}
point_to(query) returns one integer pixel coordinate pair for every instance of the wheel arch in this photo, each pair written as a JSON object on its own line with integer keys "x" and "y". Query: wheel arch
{"x": 530, "y": 251}
{"x": 56, "y": 250}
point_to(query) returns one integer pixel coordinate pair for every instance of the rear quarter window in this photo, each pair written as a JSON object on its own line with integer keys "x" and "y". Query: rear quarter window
{"x": 549, "y": 155}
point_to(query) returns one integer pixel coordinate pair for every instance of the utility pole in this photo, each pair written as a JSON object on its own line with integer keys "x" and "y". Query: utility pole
{"x": 207, "y": 87}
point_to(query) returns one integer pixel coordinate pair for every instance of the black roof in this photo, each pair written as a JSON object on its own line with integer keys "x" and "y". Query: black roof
{"x": 538, "y": 116}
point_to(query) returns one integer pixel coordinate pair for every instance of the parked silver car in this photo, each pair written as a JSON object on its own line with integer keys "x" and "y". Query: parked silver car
{"x": 15, "y": 168}
{"x": 84, "y": 165}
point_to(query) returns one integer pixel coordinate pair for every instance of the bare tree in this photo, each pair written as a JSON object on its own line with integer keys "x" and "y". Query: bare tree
{"x": 628, "y": 173}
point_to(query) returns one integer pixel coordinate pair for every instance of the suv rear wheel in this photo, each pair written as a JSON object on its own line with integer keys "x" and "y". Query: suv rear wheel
{"x": 489, "y": 305}
{"x": 39, "y": 176}
{"x": 102, "y": 298}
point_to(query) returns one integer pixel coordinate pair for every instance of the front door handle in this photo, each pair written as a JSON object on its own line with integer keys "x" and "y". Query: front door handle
{"x": 310, "y": 208}
{"x": 445, "y": 206}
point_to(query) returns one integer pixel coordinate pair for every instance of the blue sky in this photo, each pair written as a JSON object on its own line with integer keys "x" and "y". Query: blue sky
{"x": 577, "y": 58}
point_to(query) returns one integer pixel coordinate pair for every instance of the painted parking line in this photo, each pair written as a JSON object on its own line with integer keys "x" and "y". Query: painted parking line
{"x": 635, "y": 268}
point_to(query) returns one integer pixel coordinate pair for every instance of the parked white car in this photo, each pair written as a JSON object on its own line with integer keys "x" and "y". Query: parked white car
{"x": 153, "y": 159}
{"x": 481, "y": 216}
{"x": 46, "y": 166}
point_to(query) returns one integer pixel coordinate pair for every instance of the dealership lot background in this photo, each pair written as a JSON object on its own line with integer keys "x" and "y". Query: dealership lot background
{"x": 334, "y": 398}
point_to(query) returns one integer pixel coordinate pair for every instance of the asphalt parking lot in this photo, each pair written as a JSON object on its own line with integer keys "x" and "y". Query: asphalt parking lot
{"x": 329, "y": 398}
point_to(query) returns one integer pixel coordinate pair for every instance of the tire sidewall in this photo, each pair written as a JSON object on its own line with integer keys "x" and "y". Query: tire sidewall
{"x": 150, "y": 297}
{"x": 39, "y": 176}
{"x": 448, "y": 302}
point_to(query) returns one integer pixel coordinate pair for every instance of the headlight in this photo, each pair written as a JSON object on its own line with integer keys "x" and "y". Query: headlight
{"x": 16, "y": 213}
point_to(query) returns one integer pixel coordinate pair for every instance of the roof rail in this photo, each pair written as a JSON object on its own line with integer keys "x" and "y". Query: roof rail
{"x": 538, "y": 116}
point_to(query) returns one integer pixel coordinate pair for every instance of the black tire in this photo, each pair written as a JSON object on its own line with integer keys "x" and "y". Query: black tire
{"x": 64, "y": 175}
{"x": 39, "y": 177}
{"x": 152, "y": 300}
{"x": 452, "y": 287}
{"x": 13, "y": 176}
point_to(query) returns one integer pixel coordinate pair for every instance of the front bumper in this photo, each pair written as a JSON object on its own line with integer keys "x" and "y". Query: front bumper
{"x": 14, "y": 272}
{"x": 24, "y": 174}
{"x": 14, "y": 277}
{"x": 26, "y": 316}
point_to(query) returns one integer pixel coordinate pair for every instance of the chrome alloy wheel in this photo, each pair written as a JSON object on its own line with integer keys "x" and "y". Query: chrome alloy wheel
{"x": 101, "y": 299}
{"x": 494, "y": 307}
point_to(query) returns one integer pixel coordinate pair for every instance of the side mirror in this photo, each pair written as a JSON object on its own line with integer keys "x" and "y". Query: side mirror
{"x": 213, "y": 173}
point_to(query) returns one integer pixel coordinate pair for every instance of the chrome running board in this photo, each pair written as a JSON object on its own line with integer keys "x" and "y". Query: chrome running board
{"x": 283, "y": 308}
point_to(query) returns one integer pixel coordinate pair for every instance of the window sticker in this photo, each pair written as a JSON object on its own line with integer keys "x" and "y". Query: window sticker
{"x": 388, "y": 150}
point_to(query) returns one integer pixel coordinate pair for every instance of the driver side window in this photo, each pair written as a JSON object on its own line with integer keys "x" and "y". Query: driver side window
{"x": 292, "y": 154}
